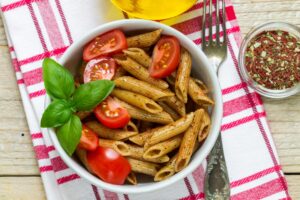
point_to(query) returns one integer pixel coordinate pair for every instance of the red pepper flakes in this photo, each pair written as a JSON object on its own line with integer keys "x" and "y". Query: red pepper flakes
{"x": 272, "y": 59}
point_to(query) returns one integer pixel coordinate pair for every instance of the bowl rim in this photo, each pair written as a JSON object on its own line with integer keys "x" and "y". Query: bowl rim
{"x": 271, "y": 25}
{"x": 206, "y": 147}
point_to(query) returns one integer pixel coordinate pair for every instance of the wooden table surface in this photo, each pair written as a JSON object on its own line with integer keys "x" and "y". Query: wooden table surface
{"x": 19, "y": 174}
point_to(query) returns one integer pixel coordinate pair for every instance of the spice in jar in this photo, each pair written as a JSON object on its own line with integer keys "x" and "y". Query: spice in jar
{"x": 272, "y": 59}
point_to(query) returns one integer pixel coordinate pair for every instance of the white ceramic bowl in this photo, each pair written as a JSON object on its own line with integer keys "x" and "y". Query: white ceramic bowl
{"x": 201, "y": 69}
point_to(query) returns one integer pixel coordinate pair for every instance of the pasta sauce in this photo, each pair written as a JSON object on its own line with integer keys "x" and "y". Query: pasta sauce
{"x": 272, "y": 59}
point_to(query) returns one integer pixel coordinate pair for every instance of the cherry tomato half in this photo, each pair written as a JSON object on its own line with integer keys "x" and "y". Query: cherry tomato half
{"x": 166, "y": 57}
{"x": 111, "y": 114}
{"x": 109, "y": 165}
{"x": 98, "y": 69}
{"x": 88, "y": 139}
{"x": 108, "y": 43}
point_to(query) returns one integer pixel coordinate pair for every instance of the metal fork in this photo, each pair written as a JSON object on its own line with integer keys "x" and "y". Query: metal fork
{"x": 216, "y": 184}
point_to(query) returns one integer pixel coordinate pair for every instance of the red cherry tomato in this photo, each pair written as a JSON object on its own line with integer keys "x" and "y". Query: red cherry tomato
{"x": 166, "y": 57}
{"x": 109, "y": 165}
{"x": 108, "y": 43}
{"x": 111, "y": 114}
{"x": 98, "y": 69}
{"x": 88, "y": 139}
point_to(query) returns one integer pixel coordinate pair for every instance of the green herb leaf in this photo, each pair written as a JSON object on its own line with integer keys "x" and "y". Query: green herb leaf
{"x": 88, "y": 95}
{"x": 59, "y": 82}
{"x": 56, "y": 114}
{"x": 69, "y": 134}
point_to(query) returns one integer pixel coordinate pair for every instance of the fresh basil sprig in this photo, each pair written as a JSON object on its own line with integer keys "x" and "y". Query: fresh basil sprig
{"x": 66, "y": 100}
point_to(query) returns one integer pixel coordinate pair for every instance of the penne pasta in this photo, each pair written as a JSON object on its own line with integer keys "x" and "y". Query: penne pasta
{"x": 81, "y": 154}
{"x": 131, "y": 127}
{"x": 205, "y": 127}
{"x": 119, "y": 146}
{"x": 120, "y": 71}
{"x": 145, "y": 39}
{"x": 183, "y": 75}
{"x": 83, "y": 114}
{"x": 137, "y": 100}
{"x": 143, "y": 167}
{"x": 139, "y": 72}
{"x": 166, "y": 171}
{"x": 176, "y": 104}
{"x": 168, "y": 131}
{"x": 107, "y": 133}
{"x": 169, "y": 110}
{"x": 163, "y": 148}
{"x": 131, "y": 178}
{"x": 141, "y": 138}
{"x": 141, "y": 87}
{"x": 144, "y": 126}
{"x": 138, "y": 152}
{"x": 136, "y": 113}
{"x": 197, "y": 95}
{"x": 139, "y": 55}
{"x": 188, "y": 141}
{"x": 171, "y": 79}
{"x": 201, "y": 85}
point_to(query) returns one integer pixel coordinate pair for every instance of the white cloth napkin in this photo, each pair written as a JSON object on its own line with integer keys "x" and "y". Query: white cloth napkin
{"x": 45, "y": 28}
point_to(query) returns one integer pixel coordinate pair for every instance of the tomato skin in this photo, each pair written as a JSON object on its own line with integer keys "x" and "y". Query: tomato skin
{"x": 118, "y": 118}
{"x": 99, "y": 69}
{"x": 106, "y": 44}
{"x": 88, "y": 139}
{"x": 166, "y": 57}
{"x": 109, "y": 165}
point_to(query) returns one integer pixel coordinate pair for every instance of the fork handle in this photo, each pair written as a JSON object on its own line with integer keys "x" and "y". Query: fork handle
{"x": 216, "y": 177}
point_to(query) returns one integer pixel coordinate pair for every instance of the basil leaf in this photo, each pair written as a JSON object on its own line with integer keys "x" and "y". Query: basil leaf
{"x": 69, "y": 134}
{"x": 56, "y": 114}
{"x": 59, "y": 82}
{"x": 88, "y": 95}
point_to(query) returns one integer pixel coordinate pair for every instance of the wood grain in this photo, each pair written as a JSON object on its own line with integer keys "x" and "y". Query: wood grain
{"x": 18, "y": 168}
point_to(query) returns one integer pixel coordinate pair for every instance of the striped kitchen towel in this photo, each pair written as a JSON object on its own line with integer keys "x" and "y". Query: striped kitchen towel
{"x": 37, "y": 29}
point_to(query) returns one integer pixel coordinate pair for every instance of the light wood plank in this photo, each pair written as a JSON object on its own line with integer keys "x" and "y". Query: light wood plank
{"x": 293, "y": 185}
{"x": 21, "y": 188}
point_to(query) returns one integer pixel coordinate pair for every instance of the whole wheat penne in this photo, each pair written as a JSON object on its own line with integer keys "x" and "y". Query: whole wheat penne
{"x": 183, "y": 75}
{"x": 168, "y": 131}
{"x": 138, "y": 55}
{"x": 120, "y": 71}
{"x": 107, "y": 133}
{"x": 169, "y": 110}
{"x": 137, "y": 100}
{"x": 119, "y": 146}
{"x": 175, "y": 103}
{"x": 205, "y": 127}
{"x": 197, "y": 95}
{"x": 162, "y": 148}
{"x": 188, "y": 141}
{"x": 141, "y": 138}
{"x": 143, "y": 167}
{"x": 137, "y": 152}
{"x": 131, "y": 127}
{"x": 141, "y": 87}
{"x": 166, "y": 171}
{"x": 81, "y": 154}
{"x": 139, "y": 71}
{"x": 131, "y": 178}
{"x": 136, "y": 113}
{"x": 144, "y": 40}
{"x": 83, "y": 114}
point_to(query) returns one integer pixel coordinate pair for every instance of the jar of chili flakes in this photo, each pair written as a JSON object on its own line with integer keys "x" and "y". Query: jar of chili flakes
{"x": 269, "y": 59}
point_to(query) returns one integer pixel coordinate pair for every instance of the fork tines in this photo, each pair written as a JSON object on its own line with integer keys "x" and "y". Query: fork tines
{"x": 219, "y": 19}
